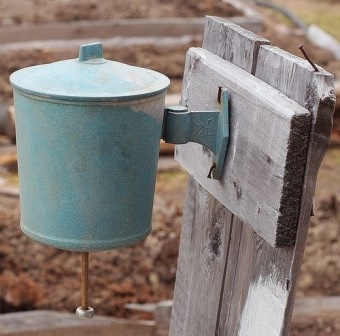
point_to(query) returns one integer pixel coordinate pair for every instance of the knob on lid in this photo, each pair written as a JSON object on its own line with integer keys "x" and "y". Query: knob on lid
{"x": 89, "y": 78}
{"x": 91, "y": 52}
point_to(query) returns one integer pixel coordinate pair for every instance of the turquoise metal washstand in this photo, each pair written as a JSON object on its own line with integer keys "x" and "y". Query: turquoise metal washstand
{"x": 88, "y": 137}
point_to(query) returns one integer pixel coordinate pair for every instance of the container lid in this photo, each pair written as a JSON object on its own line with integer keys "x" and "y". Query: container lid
{"x": 89, "y": 78}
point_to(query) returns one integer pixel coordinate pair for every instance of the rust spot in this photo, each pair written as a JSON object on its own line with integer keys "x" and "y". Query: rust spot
{"x": 219, "y": 94}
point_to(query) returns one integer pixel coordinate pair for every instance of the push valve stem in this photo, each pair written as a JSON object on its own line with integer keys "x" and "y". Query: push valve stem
{"x": 84, "y": 311}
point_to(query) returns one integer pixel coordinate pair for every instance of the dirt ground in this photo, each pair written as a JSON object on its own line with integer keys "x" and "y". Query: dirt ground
{"x": 36, "y": 276}
{"x": 33, "y": 276}
{"x": 40, "y": 11}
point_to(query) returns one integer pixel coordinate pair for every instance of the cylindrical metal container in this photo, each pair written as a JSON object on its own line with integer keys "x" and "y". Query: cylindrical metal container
{"x": 88, "y": 133}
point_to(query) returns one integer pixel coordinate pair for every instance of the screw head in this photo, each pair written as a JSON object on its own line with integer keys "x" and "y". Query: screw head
{"x": 84, "y": 313}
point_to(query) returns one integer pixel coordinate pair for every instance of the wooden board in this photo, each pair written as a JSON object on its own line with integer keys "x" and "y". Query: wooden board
{"x": 202, "y": 255}
{"x": 258, "y": 280}
{"x": 220, "y": 37}
{"x": 50, "y": 323}
{"x": 103, "y": 29}
{"x": 260, "y": 184}
{"x": 314, "y": 90}
{"x": 312, "y": 307}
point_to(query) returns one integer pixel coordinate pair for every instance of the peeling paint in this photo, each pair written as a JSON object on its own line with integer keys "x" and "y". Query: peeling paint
{"x": 152, "y": 106}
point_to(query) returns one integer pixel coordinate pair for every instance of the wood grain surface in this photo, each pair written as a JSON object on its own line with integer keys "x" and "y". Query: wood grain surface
{"x": 258, "y": 280}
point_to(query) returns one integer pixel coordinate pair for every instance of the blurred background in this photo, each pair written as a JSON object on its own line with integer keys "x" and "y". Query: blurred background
{"x": 154, "y": 34}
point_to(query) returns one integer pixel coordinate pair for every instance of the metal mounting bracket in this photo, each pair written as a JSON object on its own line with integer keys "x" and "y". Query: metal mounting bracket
{"x": 210, "y": 129}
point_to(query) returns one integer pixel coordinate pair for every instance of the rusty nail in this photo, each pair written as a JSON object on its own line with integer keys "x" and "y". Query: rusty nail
{"x": 308, "y": 58}
{"x": 219, "y": 94}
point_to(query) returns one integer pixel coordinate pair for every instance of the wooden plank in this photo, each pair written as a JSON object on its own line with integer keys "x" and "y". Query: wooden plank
{"x": 101, "y": 29}
{"x": 316, "y": 306}
{"x": 295, "y": 77}
{"x": 272, "y": 282}
{"x": 323, "y": 40}
{"x": 244, "y": 7}
{"x": 235, "y": 286}
{"x": 265, "y": 127}
{"x": 259, "y": 280}
{"x": 161, "y": 311}
{"x": 203, "y": 251}
{"x": 49, "y": 323}
{"x": 314, "y": 90}
{"x": 307, "y": 310}
{"x": 162, "y": 316}
{"x": 320, "y": 315}
{"x": 232, "y": 43}
{"x": 255, "y": 300}
{"x": 62, "y": 46}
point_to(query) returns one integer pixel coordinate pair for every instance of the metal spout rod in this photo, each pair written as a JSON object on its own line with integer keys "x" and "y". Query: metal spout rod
{"x": 84, "y": 311}
{"x": 85, "y": 280}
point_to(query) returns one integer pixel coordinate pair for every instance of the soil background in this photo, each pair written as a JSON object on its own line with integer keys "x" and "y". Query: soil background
{"x": 35, "y": 276}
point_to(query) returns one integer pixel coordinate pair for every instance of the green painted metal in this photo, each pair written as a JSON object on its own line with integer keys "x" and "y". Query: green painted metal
{"x": 87, "y": 150}
{"x": 208, "y": 128}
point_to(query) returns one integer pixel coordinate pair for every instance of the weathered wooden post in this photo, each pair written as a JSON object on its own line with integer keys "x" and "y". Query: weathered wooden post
{"x": 243, "y": 237}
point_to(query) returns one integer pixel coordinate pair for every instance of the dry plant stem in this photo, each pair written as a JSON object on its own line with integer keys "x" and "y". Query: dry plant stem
{"x": 85, "y": 280}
